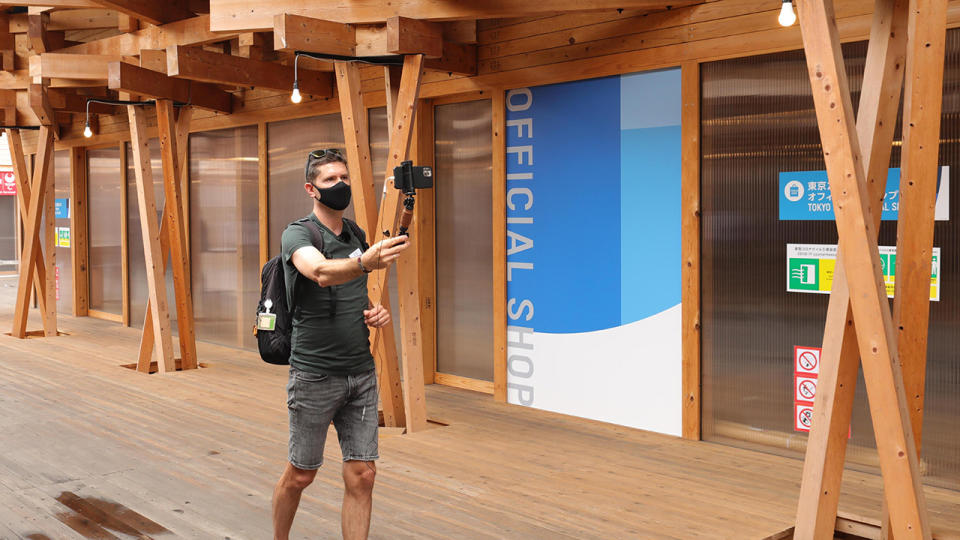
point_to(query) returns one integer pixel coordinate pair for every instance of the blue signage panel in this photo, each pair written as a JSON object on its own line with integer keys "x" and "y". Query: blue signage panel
{"x": 61, "y": 208}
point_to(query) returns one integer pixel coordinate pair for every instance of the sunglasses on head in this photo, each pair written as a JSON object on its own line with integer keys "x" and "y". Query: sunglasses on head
{"x": 323, "y": 152}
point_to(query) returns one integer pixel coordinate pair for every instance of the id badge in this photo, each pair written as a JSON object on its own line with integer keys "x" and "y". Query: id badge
{"x": 267, "y": 321}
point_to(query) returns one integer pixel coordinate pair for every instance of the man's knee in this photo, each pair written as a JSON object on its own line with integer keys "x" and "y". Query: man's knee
{"x": 359, "y": 476}
{"x": 298, "y": 478}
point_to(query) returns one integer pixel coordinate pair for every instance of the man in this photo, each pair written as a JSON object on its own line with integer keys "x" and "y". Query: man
{"x": 332, "y": 373}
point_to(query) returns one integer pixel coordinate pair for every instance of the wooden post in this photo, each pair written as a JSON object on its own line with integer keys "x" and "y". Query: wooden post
{"x": 919, "y": 166}
{"x": 159, "y": 317}
{"x": 79, "y": 199}
{"x": 400, "y": 136}
{"x": 424, "y": 216}
{"x": 124, "y": 244}
{"x": 840, "y": 359}
{"x": 499, "y": 208}
{"x": 861, "y": 259}
{"x": 32, "y": 256}
{"x": 50, "y": 254}
{"x": 173, "y": 216}
{"x": 263, "y": 190}
{"x": 22, "y": 176}
{"x": 357, "y": 143}
{"x": 690, "y": 245}
{"x": 183, "y": 160}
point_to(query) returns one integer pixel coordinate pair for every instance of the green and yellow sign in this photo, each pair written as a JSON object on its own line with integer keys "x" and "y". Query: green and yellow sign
{"x": 810, "y": 268}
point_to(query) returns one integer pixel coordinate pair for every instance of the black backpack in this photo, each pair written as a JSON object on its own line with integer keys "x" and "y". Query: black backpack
{"x": 274, "y": 345}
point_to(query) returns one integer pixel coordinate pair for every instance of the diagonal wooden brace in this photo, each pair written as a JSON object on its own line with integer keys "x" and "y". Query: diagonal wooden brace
{"x": 840, "y": 359}
{"x": 357, "y": 141}
{"x": 22, "y": 178}
{"x": 857, "y": 232}
{"x": 32, "y": 256}
{"x": 401, "y": 134}
{"x": 183, "y": 293}
{"x": 150, "y": 233}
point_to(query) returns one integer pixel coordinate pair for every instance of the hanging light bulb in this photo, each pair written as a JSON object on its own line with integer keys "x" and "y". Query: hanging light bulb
{"x": 295, "y": 96}
{"x": 87, "y": 132}
{"x": 787, "y": 16}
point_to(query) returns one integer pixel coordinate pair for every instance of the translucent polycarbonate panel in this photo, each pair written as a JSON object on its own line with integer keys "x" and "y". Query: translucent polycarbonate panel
{"x": 288, "y": 144}
{"x": 64, "y": 234}
{"x": 104, "y": 182}
{"x": 225, "y": 235}
{"x": 8, "y": 233}
{"x": 463, "y": 184}
{"x": 138, "y": 266}
{"x": 758, "y": 121}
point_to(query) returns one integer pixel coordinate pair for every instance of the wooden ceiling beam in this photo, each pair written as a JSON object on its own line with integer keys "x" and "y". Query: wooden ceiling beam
{"x": 137, "y": 80}
{"x": 53, "y": 3}
{"x": 193, "y": 31}
{"x": 8, "y": 44}
{"x": 67, "y": 101}
{"x": 74, "y": 66}
{"x": 41, "y": 105}
{"x": 412, "y": 36}
{"x": 41, "y": 39}
{"x": 150, "y": 10}
{"x": 199, "y": 65}
{"x": 235, "y": 15}
{"x": 459, "y": 58}
{"x": 296, "y": 33}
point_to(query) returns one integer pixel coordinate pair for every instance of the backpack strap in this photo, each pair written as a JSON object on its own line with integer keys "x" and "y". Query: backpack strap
{"x": 358, "y": 232}
{"x": 316, "y": 238}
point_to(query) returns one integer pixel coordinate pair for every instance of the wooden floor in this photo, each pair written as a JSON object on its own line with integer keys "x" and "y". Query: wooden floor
{"x": 89, "y": 449}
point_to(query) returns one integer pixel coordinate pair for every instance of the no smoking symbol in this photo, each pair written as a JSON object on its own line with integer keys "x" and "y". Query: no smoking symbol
{"x": 806, "y": 417}
{"x": 807, "y": 389}
{"x": 808, "y": 361}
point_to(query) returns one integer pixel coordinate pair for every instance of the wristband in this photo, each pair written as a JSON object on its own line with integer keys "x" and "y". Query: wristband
{"x": 362, "y": 267}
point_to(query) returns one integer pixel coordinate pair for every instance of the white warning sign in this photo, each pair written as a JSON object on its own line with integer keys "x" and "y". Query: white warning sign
{"x": 806, "y": 360}
{"x": 804, "y": 389}
{"x": 802, "y": 416}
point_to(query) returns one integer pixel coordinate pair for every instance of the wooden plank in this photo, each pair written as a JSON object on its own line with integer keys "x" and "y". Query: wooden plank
{"x": 412, "y": 36}
{"x": 78, "y": 231}
{"x": 690, "y": 246}
{"x": 173, "y": 214}
{"x": 457, "y": 58}
{"x": 391, "y": 79}
{"x": 82, "y": 19}
{"x": 156, "y": 286}
{"x": 499, "y": 255}
{"x": 22, "y": 177}
{"x": 199, "y": 65}
{"x": 422, "y": 148}
{"x": 152, "y": 12}
{"x": 263, "y": 191}
{"x": 826, "y": 449}
{"x": 296, "y": 33}
{"x": 41, "y": 39}
{"x": 50, "y": 239}
{"x": 193, "y": 31}
{"x": 73, "y": 66}
{"x": 242, "y": 15}
{"x": 154, "y": 60}
{"x": 923, "y": 97}
{"x": 8, "y": 44}
{"x": 32, "y": 254}
{"x": 184, "y": 120}
{"x": 466, "y": 383}
{"x": 40, "y": 105}
{"x": 124, "y": 240}
{"x": 357, "y": 144}
{"x": 875, "y": 336}
{"x": 137, "y": 80}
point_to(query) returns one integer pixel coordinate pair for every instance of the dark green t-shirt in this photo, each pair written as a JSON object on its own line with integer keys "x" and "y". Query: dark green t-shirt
{"x": 329, "y": 335}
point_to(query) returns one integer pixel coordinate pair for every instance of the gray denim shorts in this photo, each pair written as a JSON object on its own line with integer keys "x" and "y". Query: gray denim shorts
{"x": 349, "y": 401}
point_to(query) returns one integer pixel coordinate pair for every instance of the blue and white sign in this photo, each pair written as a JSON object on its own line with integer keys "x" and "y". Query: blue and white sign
{"x": 806, "y": 196}
{"x": 593, "y": 249}
{"x": 61, "y": 208}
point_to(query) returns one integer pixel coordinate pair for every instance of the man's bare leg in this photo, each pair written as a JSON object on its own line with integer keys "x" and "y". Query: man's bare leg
{"x": 286, "y": 498}
{"x": 358, "y": 478}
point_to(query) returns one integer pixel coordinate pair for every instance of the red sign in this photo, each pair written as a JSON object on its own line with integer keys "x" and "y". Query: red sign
{"x": 8, "y": 184}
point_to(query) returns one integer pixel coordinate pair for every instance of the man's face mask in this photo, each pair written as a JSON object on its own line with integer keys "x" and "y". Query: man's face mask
{"x": 335, "y": 197}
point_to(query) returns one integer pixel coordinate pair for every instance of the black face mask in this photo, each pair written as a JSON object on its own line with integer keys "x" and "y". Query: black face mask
{"x": 335, "y": 197}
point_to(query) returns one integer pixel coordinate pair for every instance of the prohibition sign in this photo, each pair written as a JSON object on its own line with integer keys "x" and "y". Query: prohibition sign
{"x": 805, "y": 417}
{"x": 808, "y": 361}
{"x": 807, "y": 389}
